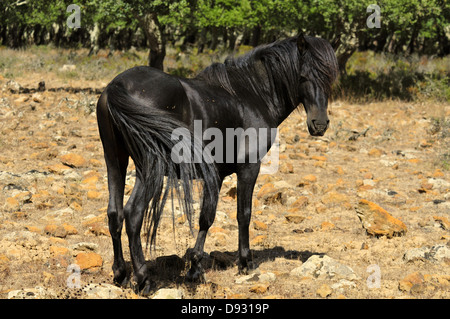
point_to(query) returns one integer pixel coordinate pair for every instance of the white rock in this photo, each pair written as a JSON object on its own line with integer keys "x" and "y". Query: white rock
{"x": 102, "y": 291}
{"x": 267, "y": 277}
{"x": 85, "y": 246}
{"x": 324, "y": 267}
{"x": 435, "y": 254}
{"x": 439, "y": 183}
{"x": 342, "y": 284}
{"x": 247, "y": 279}
{"x": 68, "y": 67}
{"x": 167, "y": 293}
{"x": 32, "y": 293}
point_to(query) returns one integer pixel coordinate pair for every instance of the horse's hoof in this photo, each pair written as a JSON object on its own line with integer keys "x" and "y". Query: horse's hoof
{"x": 195, "y": 275}
{"x": 245, "y": 268}
{"x": 144, "y": 289}
{"x": 123, "y": 283}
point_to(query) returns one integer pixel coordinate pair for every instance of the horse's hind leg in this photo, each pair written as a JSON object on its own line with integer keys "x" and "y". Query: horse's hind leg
{"x": 116, "y": 159}
{"x": 134, "y": 215}
{"x": 116, "y": 185}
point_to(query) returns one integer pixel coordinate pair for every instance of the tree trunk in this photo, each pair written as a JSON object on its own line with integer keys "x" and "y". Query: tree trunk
{"x": 256, "y": 35}
{"x": 94, "y": 35}
{"x": 155, "y": 39}
{"x": 344, "y": 47}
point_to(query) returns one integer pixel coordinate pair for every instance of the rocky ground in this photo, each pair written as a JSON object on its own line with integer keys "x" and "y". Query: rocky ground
{"x": 362, "y": 212}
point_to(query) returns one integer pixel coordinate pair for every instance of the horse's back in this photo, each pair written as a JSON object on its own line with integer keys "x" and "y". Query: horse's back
{"x": 152, "y": 86}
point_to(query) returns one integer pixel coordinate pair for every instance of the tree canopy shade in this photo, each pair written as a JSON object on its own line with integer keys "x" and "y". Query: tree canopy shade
{"x": 406, "y": 26}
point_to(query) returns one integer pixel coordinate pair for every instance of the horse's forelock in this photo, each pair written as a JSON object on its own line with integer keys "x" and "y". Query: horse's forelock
{"x": 320, "y": 63}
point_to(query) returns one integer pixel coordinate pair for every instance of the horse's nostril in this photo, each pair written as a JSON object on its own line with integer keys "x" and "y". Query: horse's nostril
{"x": 319, "y": 126}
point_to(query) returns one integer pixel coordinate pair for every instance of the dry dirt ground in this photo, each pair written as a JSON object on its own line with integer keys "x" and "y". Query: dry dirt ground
{"x": 54, "y": 241}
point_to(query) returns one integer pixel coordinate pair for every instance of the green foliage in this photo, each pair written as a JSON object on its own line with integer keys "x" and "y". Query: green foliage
{"x": 414, "y": 24}
{"x": 408, "y": 27}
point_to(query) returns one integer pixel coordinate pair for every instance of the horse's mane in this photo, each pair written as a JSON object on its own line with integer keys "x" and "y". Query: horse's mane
{"x": 274, "y": 71}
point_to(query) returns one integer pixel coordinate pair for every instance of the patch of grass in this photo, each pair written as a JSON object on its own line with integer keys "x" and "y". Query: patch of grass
{"x": 440, "y": 128}
{"x": 377, "y": 76}
{"x": 48, "y": 59}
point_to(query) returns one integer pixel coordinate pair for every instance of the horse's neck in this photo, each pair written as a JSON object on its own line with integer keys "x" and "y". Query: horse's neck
{"x": 278, "y": 102}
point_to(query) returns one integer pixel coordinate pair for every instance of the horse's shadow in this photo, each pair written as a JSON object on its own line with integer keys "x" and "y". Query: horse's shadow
{"x": 169, "y": 270}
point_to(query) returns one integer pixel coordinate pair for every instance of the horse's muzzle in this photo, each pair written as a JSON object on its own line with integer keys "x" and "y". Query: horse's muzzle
{"x": 318, "y": 128}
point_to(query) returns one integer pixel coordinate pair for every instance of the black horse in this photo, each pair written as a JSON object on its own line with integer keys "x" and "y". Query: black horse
{"x": 140, "y": 110}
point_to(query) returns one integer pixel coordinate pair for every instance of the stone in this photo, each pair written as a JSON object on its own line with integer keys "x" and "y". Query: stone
{"x": 435, "y": 254}
{"x": 93, "y": 194}
{"x": 89, "y": 261}
{"x": 319, "y": 158}
{"x": 324, "y": 267}
{"x": 99, "y": 229}
{"x": 249, "y": 279}
{"x": 265, "y": 189}
{"x": 443, "y": 221}
{"x": 324, "y": 291}
{"x": 334, "y": 198}
{"x": 267, "y": 277}
{"x": 342, "y": 284}
{"x": 56, "y": 251}
{"x": 33, "y": 229}
{"x": 259, "y": 288}
{"x": 413, "y": 282}
{"x": 377, "y": 221}
{"x": 85, "y": 246}
{"x": 340, "y": 171}
{"x": 326, "y": 226}
{"x": 307, "y": 180}
{"x": 439, "y": 184}
{"x": 91, "y": 179}
{"x": 259, "y": 225}
{"x": 103, "y": 291}
{"x": 92, "y": 219}
{"x": 168, "y": 293}
{"x": 258, "y": 240}
{"x": 73, "y": 160}
{"x": 294, "y": 218}
{"x": 70, "y": 230}
{"x": 61, "y": 231}
{"x": 270, "y": 194}
{"x": 375, "y": 152}
{"x": 23, "y": 197}
{"x": 32, "y": 293}
{"x": 50, "y": 229}
{"x": 300, "y": 203}
{"x": 11, "y": 205}
{"x": 95, "y": 163}
{"x": 287, "y": 168}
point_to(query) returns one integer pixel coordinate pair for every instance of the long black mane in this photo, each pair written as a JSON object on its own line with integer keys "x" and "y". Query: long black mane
{"x": 274, "y": 71}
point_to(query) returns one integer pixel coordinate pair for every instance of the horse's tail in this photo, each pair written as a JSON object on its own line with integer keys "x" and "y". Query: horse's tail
{"x": 147, "y": 133}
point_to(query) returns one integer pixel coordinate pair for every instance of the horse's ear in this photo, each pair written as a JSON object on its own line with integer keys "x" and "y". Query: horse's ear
{"x": 301, "y": 42}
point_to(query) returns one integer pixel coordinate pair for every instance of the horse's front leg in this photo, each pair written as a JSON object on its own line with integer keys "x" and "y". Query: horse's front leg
{"x": 246, "y": 178}
{"x": 207, "y": 216}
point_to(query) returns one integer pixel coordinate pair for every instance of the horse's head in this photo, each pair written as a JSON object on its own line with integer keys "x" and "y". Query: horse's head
{"x": 318, "y": 71}
{"x": 315, "y": 102}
